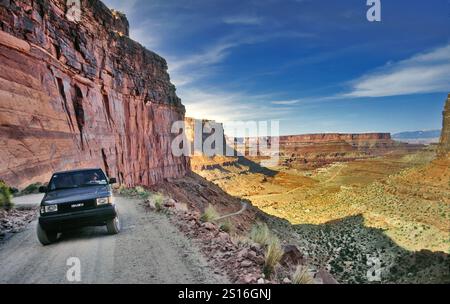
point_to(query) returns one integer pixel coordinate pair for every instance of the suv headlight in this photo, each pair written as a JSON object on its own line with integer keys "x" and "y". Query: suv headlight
{"x": 49, "y": 209}
{"x": 104, "y": 201}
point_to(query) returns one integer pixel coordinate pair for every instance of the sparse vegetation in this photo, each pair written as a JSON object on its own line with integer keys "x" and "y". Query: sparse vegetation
{"x": 209, "y": 215}
{"x": 5, "y": 196}
{"x": 302, "y": 276}
{"x": 31, "y": 189}
{"x": 261, "y": 234}
{"x": 139, "y": 192}
{"x": 158, "y": 198}
{"x": 273, "y": 255}
{"x": 346, "y": 212}
{"x": 227, "y": 226}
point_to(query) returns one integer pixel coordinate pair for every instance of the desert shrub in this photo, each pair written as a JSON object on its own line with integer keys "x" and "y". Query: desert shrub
{"x": 227, "y": 226}
{"x": 273, "y": 256}
{"x": 13, "y": 190}
{"x": 142, "y": 193}
{"x": 209, "y": 215}
{"x": 126, "y": 191}
{"x": 5, "y": 196}
{"x": 158, "y": 198}
{"x": 302, "y": 276}
{"x": 138, "y": 191}
{"x": 260, "y": 234}
{"x": 31, "y": 189}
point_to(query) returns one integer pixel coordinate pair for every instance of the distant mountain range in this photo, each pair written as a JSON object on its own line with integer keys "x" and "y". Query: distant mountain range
{"x": 418, "y": 137}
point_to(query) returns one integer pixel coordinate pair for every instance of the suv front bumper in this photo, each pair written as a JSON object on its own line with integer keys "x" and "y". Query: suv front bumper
{"x": 66, "y": 221}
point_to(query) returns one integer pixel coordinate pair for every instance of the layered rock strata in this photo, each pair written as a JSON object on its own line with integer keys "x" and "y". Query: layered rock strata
{"x": 82, "y": 94}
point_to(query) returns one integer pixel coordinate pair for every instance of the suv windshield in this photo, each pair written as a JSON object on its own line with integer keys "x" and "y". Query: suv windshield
{"x": 77, "y": 179}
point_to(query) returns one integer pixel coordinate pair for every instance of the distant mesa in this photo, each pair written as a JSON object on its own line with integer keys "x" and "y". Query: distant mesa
{"x": 417, "y": 134}
{"x": 418, "y": 137}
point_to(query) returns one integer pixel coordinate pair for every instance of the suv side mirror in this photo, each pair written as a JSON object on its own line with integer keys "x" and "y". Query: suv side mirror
{"x": 43, "y": 189}
{"x": 112, "y": 181}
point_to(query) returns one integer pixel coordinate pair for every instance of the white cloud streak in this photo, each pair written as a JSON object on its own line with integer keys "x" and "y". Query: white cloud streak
{"x": 287, "y": 102}
{"x": 227, "y": 106}
{"x": 243, "y": 20}
{"x": 422, "y": 73}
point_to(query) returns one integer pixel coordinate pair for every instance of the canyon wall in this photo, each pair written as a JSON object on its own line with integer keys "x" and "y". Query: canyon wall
{"x": 329, "y": 137}
{"x": 444, "y": 145}
{"x": 82, "y": 94}
{"x": 316, "y": 150}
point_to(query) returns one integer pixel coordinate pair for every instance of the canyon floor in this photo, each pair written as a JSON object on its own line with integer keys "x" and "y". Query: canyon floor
{"x": 148, "y": 250}
{"x": 384, "y": 219}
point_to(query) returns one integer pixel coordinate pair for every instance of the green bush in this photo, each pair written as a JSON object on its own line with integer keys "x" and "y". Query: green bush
{"x": 31, "y": 189}
{"x": 158, "y": 198}
{"x": 5, "y": 196}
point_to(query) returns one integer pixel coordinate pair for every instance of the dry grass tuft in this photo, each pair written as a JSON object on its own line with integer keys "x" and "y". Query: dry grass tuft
{"x": 209, "y": 215}
{"x": 302, "y": 276}
{"x": 260, "y": 234}
{"x": 273, "y": 256}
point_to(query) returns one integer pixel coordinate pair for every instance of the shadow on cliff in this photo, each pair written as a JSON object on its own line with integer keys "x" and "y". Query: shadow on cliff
{"x": 253, "y": 166}
{"x": 357, "y": 243}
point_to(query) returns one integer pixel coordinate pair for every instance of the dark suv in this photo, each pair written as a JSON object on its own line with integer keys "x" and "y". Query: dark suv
{"x": 76, "y": 199}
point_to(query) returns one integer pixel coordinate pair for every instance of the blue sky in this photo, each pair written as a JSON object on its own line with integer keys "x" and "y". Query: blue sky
{"x": 315, "y": 65}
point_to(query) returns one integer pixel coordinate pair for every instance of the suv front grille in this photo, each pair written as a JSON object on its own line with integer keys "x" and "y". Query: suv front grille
{"x": 77, "y": 206}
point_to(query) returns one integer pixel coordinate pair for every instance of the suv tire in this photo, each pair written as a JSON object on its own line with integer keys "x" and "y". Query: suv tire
{"x": 113, "y": 226}
{"x": 46, "y": 237}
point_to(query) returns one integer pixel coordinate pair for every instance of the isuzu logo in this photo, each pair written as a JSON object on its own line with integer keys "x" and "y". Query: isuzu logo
{"x": 77, "y": 205}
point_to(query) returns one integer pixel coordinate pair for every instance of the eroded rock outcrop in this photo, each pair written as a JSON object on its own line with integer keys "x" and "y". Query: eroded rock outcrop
{"x": 444, "y": 145}
{"x": 82, "y": 94}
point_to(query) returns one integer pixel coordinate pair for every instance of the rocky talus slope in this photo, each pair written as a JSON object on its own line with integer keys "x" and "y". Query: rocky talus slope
{"x": 82, "y": 94}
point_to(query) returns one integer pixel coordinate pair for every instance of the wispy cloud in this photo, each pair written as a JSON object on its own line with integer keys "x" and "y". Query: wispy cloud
{"x": 226, "y": 106}
{"x": 243, "y": 20}
{"x": 286, "y": 102}
{"x": 127, "y": 7}
{"x": 218, "y": 52}
{"x": 141, "y": 35}
{"x": 427, "y": 72}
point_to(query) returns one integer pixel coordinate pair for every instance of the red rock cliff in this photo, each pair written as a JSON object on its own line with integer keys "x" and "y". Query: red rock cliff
{"x": 82, "y": 95}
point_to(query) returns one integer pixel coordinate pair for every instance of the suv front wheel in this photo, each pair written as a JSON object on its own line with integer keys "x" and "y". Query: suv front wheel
{"x": 46, "y": 237}
{"x": 113, "y": 226}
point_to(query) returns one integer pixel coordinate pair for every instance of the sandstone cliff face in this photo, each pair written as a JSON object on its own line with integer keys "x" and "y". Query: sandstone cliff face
{"x": 444, "y": 146}
{"x": 82, "y": 95}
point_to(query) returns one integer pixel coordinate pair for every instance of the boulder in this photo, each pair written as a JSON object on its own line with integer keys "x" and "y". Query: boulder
{"x": 170, "y": 203}
{"x": 246, "y": 263}
{"x": 292, "y": 256}
{"x": 326, "y": 277}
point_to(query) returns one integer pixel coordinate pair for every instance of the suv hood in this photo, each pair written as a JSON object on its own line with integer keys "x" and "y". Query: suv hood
{"x": 76, "y": 195}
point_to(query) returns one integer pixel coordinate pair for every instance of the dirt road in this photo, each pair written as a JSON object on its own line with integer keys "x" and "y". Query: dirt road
{"x": 148, "y": 250}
